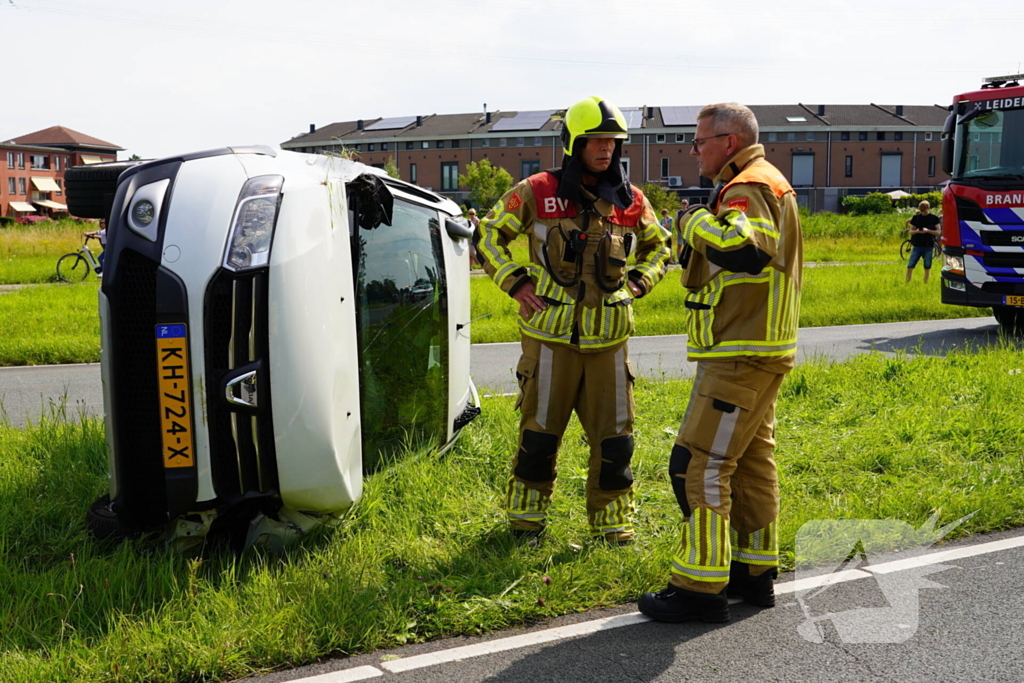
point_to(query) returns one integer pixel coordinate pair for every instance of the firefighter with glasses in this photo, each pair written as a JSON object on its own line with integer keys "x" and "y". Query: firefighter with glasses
{"x": 742, "y": 257}
{"x": 594, "y": 247}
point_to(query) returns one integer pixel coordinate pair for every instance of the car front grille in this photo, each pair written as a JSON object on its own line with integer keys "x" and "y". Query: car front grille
{"x": 242, "y": 455}
{"x": 1003, "y": 260}
{"x": 1002, "y": 288}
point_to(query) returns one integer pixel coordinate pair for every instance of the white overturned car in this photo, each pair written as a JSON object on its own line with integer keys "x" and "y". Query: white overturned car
{"x": 273, "y": 324}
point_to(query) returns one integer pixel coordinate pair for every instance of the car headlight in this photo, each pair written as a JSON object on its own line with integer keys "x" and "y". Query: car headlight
{"x": 252, "y": 228}
{"x": 144, "y": 209}
{"x": 954, "y": 264}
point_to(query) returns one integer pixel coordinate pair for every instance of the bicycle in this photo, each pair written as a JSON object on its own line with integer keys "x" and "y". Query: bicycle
{"x": 75, "y": 267}
{"x": 908, "y": 245}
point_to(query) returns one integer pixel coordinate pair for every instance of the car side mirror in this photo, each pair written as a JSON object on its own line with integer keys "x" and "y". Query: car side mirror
{"x": 459, "y": 228}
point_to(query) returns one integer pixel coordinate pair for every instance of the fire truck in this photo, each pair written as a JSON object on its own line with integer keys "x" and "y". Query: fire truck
{"x": 983, "y": 203}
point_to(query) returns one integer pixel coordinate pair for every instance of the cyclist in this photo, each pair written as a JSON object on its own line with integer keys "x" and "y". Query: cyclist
{"x": 923, "y": 228}
{"x": 101, "y": 235}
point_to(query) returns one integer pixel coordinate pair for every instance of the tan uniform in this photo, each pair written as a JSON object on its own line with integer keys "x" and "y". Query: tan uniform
{"x": 575, "y": 355}
{"x": 743, "y": 262}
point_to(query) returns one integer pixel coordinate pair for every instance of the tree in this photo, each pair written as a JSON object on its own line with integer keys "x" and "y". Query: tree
{"x": 486, "y": 183}
{"x": 660, "y": 198}
{"x": 135, "y": 157}
{"x": 391, "y": 168}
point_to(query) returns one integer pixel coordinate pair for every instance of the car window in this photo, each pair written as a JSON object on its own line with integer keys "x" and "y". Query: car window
{"x": 403, "y": 332}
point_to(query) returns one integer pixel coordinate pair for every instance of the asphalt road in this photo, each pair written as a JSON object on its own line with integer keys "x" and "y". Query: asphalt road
{"x": 26, "y": 393}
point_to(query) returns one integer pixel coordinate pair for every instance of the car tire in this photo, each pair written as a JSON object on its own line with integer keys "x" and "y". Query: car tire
{"x": 87, "y": 187}
{"x": 1010, "y": 318}
{"x": 103, "y": 523}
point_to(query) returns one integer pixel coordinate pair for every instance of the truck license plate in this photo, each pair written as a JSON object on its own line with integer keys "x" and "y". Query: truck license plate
{"x": 175, "y": 397}
{"x": 1014, "y": 300}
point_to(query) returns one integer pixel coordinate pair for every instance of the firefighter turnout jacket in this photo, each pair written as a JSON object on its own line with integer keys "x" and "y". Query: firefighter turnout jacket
{"x": 742, "y": 264}
{"x": 579, "y": 260}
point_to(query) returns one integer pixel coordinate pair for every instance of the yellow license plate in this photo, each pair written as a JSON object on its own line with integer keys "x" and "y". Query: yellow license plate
{"x": 1014, "y": 300}
{"x": 175, "y": 397}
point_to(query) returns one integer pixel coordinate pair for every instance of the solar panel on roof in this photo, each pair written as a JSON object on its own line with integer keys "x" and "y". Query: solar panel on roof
{"x": 392, "y": 123}
{"x": 679, "y": 116}
{"x": 634, "y": 117}
{"x": 524, "y": 120}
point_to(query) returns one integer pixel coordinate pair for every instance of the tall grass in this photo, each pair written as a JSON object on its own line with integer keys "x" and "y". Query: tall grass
{"x": 29, "y": 253}
{"x": 426, "y": 553}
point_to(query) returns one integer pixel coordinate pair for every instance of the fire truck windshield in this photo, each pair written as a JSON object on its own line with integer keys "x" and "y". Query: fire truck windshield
{"x": 990, "y": 145}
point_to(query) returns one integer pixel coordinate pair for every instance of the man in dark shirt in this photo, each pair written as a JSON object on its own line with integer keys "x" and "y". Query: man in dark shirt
{"x": 923, "y": 228}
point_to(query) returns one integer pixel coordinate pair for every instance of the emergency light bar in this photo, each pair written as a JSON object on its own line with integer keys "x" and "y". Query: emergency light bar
{"x": 1003, "y": 79}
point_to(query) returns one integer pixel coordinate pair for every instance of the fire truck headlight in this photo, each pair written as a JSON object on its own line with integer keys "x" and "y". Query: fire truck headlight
{"x": 953, "y": 264}
{"x": 252, "y": 229}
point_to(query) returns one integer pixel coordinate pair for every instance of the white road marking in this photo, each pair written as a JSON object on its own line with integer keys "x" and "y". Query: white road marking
{"x": 457, "y": 654}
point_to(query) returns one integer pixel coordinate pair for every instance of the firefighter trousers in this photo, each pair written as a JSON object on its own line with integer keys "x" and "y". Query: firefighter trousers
{"x": 554, "y": 380}
{"x": 724, "y": 478}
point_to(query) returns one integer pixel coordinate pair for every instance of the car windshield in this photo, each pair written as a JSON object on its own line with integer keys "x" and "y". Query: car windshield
{"x": 990, "y": 145}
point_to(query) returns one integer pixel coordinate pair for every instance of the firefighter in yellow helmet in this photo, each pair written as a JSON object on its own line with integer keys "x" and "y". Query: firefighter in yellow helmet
{"x": 742, "y": 257}
{"x": 594, "y": 247}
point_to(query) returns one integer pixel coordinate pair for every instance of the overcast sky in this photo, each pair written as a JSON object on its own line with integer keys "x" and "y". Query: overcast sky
{"x": 161, "y": 77}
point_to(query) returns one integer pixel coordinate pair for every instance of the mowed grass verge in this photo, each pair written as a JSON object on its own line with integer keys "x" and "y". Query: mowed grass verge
{"x": 426, "y": 554}
{"x": 49, "y": 324}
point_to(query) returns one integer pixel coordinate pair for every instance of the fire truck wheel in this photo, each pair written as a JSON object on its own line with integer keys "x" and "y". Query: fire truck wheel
{"x": 1010, "y": 318}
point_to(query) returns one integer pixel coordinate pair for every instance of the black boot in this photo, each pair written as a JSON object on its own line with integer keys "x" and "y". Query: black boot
{"x": 753, "y": 590}
{"x": 674, "y": 604}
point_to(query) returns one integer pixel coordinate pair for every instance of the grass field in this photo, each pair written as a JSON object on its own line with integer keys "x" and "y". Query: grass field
{"x": 426, "y": 554}
{"x": 48, "y": 324}
{"x": 28, "y": 254}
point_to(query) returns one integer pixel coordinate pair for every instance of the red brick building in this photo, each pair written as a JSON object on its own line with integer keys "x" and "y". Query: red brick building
{"x": 826, "y": 151}
{"x": 32, "y": 168}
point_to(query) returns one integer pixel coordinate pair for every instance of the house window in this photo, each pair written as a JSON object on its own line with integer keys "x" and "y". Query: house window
{"x": 537, "y": 142}
{"x": 862, "y": 136}
{"x": 369, "y": 147}
{"x": 426, "y": 144}
{"x": 56, "y": 163}
{"x": 880, "y": 135}
{"x": 439, "y": 144}
{"x": 383, "y": 146}
{"x": 455, "y": 144}
{"x": 412, "y": 173}
{"x": 60, "y": 184}
{"x": 21, "y": 161}
{"x": 10, "y": 160}
{"x": 529, "y": 167}
{"x": 849, "y": 166}
{"x": 659, "y": 138}
{"x": 810, "y": 137}
{"x": 931, "y": 167}
{"x": 520, "y": 142}
{"x": 773, "y": 137}
{"x": 12, "y": 187}
{"x": 485, "y": 142}
{"x": 791, "y": 137}
{"x": 67, "y": 162}
{"x": 502, "y": 142}
{"x": 409, "y": 145}
{"x": 927, "y": 137}
{"x": 680, "y": 137}
{"x": 358, "y": 148}
{"x": 449, "y": 175}
{"x": 21, "y": 186}
{"x": 664, "y": 167}
{"x": 897, "y": 136}
{"x": 844, "y": 136}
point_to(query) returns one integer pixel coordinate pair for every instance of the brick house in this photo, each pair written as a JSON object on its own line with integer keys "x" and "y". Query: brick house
{"x": 32, "y": 168}
{"x": 826, "y": 151}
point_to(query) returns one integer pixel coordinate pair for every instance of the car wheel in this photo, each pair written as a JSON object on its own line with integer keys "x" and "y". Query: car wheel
{"x": 103, "y": 523}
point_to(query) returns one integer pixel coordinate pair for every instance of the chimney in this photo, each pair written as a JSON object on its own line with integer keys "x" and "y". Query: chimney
{"x": 821, "y": 110}
{"x": 419, "y": 121}
{"x": 899, "y": 110}
{"x": 487, "y": 117}
{"x": 650, "y": 112}
{"x": 312, "y": 128}
{"x": 359, "y": 124}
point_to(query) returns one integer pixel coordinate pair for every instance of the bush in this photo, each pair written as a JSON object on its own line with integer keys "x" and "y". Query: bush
{"x": 32, "y": 220}
{"x": 8, "y": 221}
{"x": 875, "y": 202}
{"x": 911, "y": 201}
{"x": 660, "y": 198}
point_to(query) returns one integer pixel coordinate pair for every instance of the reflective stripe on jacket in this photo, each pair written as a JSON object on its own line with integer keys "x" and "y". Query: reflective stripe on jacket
{"x": 752, "y": 310}
{"x": 601, "y": 318}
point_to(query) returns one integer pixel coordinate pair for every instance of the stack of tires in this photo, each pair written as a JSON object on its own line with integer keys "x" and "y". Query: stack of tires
{"x": 90, "y": 189}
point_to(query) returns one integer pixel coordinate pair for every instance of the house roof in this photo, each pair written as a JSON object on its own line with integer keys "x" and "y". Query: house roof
{"x": 63, "y": 137}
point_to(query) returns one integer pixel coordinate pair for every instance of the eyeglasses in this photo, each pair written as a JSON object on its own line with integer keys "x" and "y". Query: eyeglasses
{"x": 697, "y": 142}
